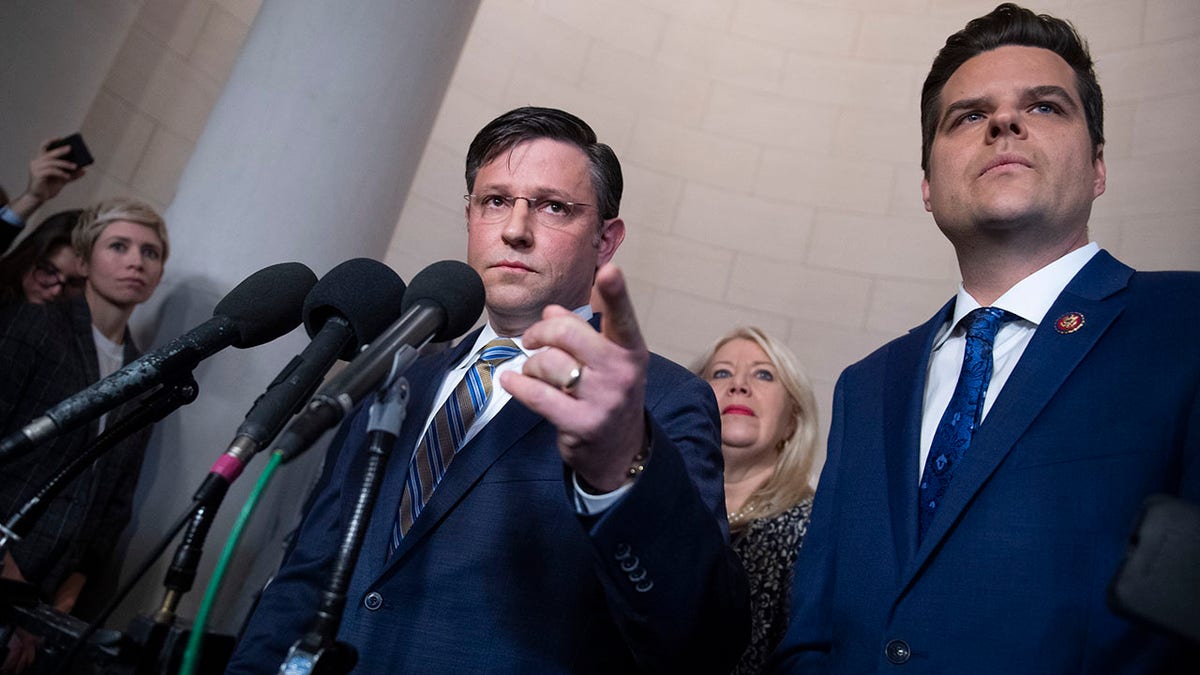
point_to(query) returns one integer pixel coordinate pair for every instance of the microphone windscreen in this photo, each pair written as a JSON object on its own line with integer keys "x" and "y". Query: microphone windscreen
{"x": 364, "y": 292}
{"x": 268, "y": 303}
{"x": 453, "y": 286}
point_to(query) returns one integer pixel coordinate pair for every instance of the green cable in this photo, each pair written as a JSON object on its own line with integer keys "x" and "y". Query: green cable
{"x": 191, "y": 657}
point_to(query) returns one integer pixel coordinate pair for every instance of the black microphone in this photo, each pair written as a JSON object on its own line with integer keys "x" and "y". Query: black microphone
{"x": 264, "y": 306}
{"x": 443, "y": 301}
{"x": 347, "y": 309}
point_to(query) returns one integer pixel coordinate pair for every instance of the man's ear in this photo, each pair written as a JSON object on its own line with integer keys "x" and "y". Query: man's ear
{"x": 1101, "y": 172}
{"x": 925, "y": 193}
{"x": 610, "y": 236}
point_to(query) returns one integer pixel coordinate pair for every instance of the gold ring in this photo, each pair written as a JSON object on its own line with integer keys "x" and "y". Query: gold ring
{"x": 572, "y": 380}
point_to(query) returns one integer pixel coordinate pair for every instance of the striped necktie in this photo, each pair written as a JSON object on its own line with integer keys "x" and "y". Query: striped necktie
{"x": 964, "y": 412}
{"x": 445, "y": 435}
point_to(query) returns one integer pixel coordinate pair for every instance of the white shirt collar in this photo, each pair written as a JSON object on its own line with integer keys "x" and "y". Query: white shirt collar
{"x": 489, "y": 333}
{"x": 1032, "y": 296}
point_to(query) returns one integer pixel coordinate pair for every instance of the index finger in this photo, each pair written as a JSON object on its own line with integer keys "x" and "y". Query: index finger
{"x": 618, "y": 321}
{"x": 54, "y": 152}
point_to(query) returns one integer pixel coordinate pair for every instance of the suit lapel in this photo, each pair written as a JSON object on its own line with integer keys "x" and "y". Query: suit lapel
{"x": 1047, "y": 362}
{"x": 424, "y": 379}
{"x": 471, "y": 462}
{"x": 85, "y": 344}
{"x": 503, "y": 431}
{"x": 904, "y": 395}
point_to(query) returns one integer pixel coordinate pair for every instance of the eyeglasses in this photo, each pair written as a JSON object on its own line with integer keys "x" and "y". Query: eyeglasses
{"x": 47, "y": 275}
{"x": 546, "y": 211}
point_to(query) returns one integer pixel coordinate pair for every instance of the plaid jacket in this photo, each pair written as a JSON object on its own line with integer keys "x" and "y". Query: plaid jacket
{"x": 47, "y": 353}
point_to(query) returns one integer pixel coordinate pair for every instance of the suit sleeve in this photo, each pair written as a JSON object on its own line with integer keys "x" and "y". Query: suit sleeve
{"x": 20, "y": 354}
{"x": 27, "y": 371}
{"x": 116, "y": 513}
{"x": 674, "y": 586}
{"x": 8, "y": 233}
{"x": 1190, "y": 479}
{"x": 290, "y": 600}
{"x": 809, "y": 635}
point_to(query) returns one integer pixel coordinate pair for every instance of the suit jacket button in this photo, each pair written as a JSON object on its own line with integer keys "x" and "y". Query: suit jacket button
{"x": 897, "y": 651}
{"x": 373, "y": 601}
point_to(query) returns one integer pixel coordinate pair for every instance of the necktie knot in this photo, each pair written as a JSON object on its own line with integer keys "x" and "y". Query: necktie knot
{"x": 983, "y": 323}
{"x": 498, "y": 351}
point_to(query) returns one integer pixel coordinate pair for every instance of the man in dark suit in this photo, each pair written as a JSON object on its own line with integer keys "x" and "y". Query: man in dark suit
{"x": 580, "y": 525}
{"x": 985, "y": 470}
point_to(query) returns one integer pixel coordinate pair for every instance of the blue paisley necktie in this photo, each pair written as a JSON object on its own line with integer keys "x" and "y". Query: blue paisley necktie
{"x": 962, "y": 416}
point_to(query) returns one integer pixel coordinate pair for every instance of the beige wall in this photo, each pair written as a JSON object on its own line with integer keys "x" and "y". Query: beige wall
{"x": 771, "y": 153}
{"x": 770, "y": 146}
{"x": 155, "y": 101}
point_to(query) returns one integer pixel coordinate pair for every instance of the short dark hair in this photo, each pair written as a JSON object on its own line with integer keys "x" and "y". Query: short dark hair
{"x": 529, "y": 123}
{"x": 51, "y": 234}
{"x": 1009, "y": 24}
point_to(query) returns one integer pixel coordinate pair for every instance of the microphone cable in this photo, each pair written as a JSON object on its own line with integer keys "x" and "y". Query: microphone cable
{"x": 191, "y": 656}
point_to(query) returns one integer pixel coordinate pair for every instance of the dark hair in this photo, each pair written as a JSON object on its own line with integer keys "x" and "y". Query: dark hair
{"x": 53, "y": 233}
{"x": 526, "y": 124}
{"x": 1009, "y": 24}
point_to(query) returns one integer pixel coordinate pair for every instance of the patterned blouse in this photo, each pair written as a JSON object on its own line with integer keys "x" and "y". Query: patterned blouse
{"x": 768, "y": 550}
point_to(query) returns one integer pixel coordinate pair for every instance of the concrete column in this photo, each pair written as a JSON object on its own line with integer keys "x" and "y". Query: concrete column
{"x": 307, "y": 156}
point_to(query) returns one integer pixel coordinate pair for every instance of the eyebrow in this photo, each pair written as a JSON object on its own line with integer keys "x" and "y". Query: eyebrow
{"x": 129, "y": 240}
{"x": 963, "y": 104}
{"x": 1041, "y": 91}
{"x": 1053, "y": 91}
{"x": 752, "y": 363}
{"x": 538, "y": 193}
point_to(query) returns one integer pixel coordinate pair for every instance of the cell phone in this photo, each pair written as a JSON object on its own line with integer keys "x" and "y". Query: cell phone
{"x": 79, "y": 154}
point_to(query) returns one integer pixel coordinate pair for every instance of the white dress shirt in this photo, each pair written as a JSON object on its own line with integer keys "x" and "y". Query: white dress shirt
{"x": 1029, "y": 300}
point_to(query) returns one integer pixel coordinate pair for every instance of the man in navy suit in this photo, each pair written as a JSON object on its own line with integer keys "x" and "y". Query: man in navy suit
{"x": 926, "y": 557}
{"x": 580, "y": 526}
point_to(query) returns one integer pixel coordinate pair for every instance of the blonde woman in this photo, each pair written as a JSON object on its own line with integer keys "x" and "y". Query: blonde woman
{"x": 49, "y": 352}
{"x": 768, "y": 438}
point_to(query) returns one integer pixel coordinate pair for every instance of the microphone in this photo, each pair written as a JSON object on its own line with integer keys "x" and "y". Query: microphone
{"x": 348, "y": 308}
{"x": 262, "y": 307}
{"x": 443, "y": 301}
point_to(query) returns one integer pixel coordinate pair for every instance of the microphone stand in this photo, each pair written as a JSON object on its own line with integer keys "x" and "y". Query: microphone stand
{"x": 160, "y": 636}
{"x": 318, "y": 652}
{"x": 171, "y": 396}
{"x": 152, "y": 408}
